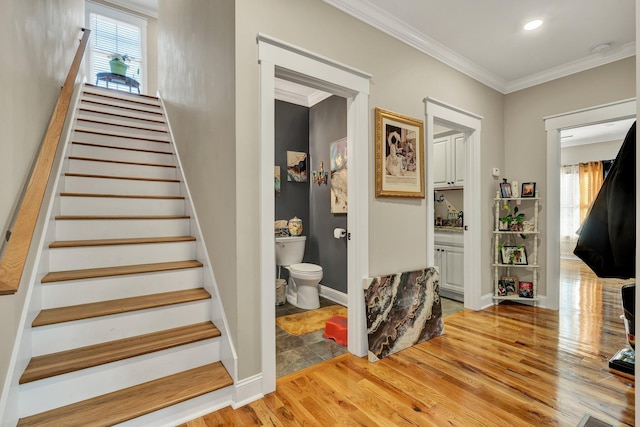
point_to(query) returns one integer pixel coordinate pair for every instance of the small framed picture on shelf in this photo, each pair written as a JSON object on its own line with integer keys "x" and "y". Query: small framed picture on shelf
{"x": 510, "y": 285}
{"x": 514, "y": 255}
{"x": 528, "y": 189}
{"x": 505, "y": 190}
{"x": 501, "y": 290}
{"x": 525, "y": 289}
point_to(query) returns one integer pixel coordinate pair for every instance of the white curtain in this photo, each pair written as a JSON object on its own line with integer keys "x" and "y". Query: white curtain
{"x": 569, "y": 209}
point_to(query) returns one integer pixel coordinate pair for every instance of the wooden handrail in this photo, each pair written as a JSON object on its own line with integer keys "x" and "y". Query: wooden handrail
{"x": 17, "y": 248}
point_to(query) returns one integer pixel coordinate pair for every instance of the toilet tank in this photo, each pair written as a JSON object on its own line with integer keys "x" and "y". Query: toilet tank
{"x": 290, "y": 250}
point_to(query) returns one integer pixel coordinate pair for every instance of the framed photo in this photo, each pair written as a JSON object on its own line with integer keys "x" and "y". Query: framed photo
{"x": 296, "y": 166}
{"x": 528, "y": 189}
{"x": 399, "y": 155}
{"x": 525, "y": 289}
{"x": 501, "y": 289}
{"x": 513, "y": 255}
{"x": 510, "y": 285}
{"x": 505, "y": 190}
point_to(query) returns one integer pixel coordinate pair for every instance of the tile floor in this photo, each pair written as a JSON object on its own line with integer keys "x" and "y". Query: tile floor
{"x": 298, "y": 352}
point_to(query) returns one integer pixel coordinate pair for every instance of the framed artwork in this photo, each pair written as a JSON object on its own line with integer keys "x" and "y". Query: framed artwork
{"x": 296, "y": 166}
{"x": 505, "y": 190}
{"x": 528, "y": 189}
{"x": 513, "y": 255}
{"x": 399, "y": 155}
{"x": 338, "y": 160}
{"x": 276, "y": 179}
{"x": 501, "y": 289}
{"x": 525, "y": 289}
{"x": 510, "y": 285}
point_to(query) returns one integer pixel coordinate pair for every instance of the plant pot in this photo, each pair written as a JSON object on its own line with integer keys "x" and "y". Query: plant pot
{"x": 118, "y": 67}
{"x": 516, "y": 227}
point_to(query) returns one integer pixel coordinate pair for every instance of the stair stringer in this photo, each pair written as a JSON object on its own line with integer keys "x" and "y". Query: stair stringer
{"x": 38, "y": 259}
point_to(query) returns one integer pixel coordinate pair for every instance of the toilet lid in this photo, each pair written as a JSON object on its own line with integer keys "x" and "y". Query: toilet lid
{"x": 305, "y": 267}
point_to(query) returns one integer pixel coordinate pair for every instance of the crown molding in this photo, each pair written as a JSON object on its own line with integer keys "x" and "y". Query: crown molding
{"x": 372, "y": 15}
{"x": 298, "y": 99}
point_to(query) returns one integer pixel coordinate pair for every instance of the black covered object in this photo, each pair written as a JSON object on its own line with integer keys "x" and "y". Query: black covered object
{"x": 607, "y": 241}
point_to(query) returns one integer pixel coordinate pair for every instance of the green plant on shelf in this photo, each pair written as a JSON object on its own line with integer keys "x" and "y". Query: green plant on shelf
{"x": 513, "y": 220}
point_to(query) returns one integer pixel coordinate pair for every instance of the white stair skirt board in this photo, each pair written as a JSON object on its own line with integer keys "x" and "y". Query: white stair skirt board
{"x": 72, "y": 387}
{"x": 92, "y": 166}
{"x": 74, "y": 205}
{"x": 99, "y": 185}
{"x": 85, "y": 229}
{"x": 106, "y": 152}
{"x": 83, "y": 257}
{"x": 99, "y": 138}
{"x": 75, "y": 292}
{"x": 65, "y": 336}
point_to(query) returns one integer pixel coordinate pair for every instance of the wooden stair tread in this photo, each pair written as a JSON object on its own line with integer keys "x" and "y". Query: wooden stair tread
{"x": 63, "y": 362}
{"x": 121, "y": 196}
{"x": 98, "y": 88}
{"x": 140, "y": 137}
{"x": 132, "y": 178}
{"x": 122, "y": 107}
{"x": 114, "y": 242}
{"x": 90, "y": 273}
{"x": 129, "y": 126}
{"x": 92, "y": 159}
{"x": 118, "y": 217}
{"x": 141, "y": 101}
{"x": 115, "y": 147}
{"x": 124, "y": 116}
{"x": 52, "y": 316}
{"x": 126, "y": 404}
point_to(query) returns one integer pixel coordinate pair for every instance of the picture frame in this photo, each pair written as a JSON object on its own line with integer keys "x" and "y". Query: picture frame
{"x": 338, "y": 166}
{"x": 513, "y": 255}
{"x": 399, "y": 155}
{"x": 525, "y": 289}
{"x": 505, "y": 190}
{"x": 296, "y": 166}
{"x": 501, "y": 291}
{"x": 510, "y": 285}
{"x": 528, "y": 189}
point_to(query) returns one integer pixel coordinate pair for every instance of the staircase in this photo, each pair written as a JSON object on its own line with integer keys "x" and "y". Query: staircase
{"x": 129, "y": 329}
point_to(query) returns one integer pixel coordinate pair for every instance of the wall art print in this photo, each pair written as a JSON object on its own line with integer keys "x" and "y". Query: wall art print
{"x": 338, "y": 153}
{"x": 296, "y": 166}
{"x": 402, "y": 310}
{"x": 276, "y": 179}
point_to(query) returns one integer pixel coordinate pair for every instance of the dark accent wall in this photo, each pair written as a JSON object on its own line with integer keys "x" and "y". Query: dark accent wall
{"x": 327, "y": 123}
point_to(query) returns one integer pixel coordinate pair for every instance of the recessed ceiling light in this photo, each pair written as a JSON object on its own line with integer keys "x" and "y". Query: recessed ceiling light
{"x": 532, "y": 25}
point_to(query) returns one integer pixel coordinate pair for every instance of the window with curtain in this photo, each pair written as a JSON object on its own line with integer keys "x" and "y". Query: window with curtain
{"x": 113, "y": 31}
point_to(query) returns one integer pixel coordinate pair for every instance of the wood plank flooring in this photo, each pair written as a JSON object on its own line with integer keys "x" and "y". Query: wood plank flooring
{"x": 507, "y": 365}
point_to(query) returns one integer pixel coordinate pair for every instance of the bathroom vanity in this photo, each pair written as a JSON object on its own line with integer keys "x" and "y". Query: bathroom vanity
{"x": 449, "y": 258}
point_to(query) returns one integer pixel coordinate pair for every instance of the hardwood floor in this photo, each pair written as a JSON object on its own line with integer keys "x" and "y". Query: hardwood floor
{"x": 507, "y": 365}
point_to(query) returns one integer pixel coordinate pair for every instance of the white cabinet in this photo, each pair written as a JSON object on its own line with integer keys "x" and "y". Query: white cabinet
{"x": 449, "y": 258}
{"x": 448, "y": 162}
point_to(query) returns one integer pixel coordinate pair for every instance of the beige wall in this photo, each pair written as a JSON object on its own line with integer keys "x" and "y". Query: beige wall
{"x": 590, "y": 152}
{"x": 524, "y": 134}
{"x": 39, "y": 41}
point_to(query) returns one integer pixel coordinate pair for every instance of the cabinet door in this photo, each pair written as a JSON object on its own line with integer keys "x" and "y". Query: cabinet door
{"x": 437, "y": 261}
{"x": 440, "y": 162}
{"x": 459, "y": 149}
{"x": 454, "y": 266}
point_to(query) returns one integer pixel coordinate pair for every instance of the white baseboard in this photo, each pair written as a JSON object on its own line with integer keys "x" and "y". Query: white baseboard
{"x": 247, "y": 390}
{"x": 333, "y": 295}
{"x": 486, "y": 301}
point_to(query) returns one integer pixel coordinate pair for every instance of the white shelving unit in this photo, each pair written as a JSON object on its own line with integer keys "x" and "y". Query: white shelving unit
{"x": 525, "y": 272}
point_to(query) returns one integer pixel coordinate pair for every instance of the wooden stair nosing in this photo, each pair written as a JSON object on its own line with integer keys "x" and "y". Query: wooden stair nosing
{"x": 123, "y": 107}
{"x": 122, "y": 98}
{"x": 92, "y": 273}
{"x": 50, "y": 365}
{"x": 118, "y": 217}
{"x": 120, "y": 162}
{"x": 121, "y": 196}
{"x": 115, "y": 147}
{"x": 124, "y": 116}
{"x": 119, "y": 135}
{"x": 132, "y": 178}
{"x": 102, "y": 122}
{"x": 142, "y": 95}
{"x": 115, "y": 242}
{"x": 123, "y": 405}
{"x": 51, "y": 316}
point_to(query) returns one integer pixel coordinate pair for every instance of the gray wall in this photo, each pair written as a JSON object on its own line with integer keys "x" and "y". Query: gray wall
{"x": 327, "y": 123}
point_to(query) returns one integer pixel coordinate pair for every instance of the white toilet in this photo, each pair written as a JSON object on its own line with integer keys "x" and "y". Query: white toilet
{"x": 302, "y": 289}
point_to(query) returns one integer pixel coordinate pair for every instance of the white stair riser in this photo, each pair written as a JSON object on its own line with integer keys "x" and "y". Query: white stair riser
{"x": 119, "y": 169}
{"x": 120, "y": 206}
{"x": 107, "y": 153}
{"x": 120, "y": 97}
{"x": 132, "y": 105}
{"x": 121, "y": 119}
{"x": 129, "y": 131}
{"x": 131, "y": 111}
{"x": 69, "y": 388}
{"x": 80, "y": 333}
{"x": 115, "y": 141}
{"x": 79, "y": 258}
{"x": 75, "y": 292}
{"x": 76, "y": 184}
{"x": 120, "y": 228}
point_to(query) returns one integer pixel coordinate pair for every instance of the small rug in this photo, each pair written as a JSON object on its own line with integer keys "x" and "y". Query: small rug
{"x": 589, "y": 421}
{"x": 309, "y": 321}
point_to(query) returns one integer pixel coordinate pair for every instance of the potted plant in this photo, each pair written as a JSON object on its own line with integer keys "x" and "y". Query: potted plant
{"x": 118, "y": 63}
{"x": 513, "y": 220}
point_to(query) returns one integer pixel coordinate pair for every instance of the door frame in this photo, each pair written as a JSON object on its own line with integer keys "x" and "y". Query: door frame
{"x": 283, "y": 60}
{"x": 624, "y": 109}
{"x": 471, "y": 125}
